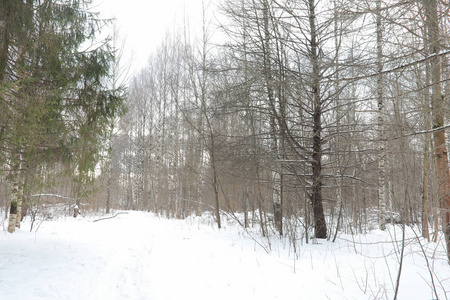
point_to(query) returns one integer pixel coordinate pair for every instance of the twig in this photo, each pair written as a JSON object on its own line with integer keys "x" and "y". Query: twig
{"x": 428, "y": 264}
{"x": 110, "y": 217}
{"x": 397, "y": 287}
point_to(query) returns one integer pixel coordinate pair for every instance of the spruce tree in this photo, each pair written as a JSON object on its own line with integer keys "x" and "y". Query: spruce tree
{"x": 55, "y": 101}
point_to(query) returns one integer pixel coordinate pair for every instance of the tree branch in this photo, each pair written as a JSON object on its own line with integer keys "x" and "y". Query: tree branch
{"x": 110, "y": 217}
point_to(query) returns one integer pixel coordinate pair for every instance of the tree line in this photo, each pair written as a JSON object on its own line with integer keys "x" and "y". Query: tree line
{"x": 308, "y": 118}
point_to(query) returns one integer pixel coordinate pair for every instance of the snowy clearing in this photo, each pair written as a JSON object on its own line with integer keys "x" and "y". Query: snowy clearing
{"x": 138, "y": 255}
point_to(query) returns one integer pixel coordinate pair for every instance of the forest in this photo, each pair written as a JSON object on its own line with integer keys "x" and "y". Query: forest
{"x": 308, "y": 118}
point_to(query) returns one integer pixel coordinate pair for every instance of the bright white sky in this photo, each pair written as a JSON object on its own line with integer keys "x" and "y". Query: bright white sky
{"x": 143, "y": 23}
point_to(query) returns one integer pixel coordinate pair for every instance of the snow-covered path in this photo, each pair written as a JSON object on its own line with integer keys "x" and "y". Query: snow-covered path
{"x": 140, "y": 256}
{"x": 133, "y": 256}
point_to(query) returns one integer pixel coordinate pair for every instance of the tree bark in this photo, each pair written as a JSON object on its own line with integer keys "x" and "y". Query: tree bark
{"x": 438, "y": 118}
{"x": 15, "y": 212}
{"x": 426, "y": 156}
{"x": 381, "y": 142}
{"x": 109, "y": 170}
{"x": 12, "y": 217}
{"x": 320, "y": 226}
{"x": 269, "y": 78}
{"x": 215, "y": 178}
{"x": 426, "y": 171}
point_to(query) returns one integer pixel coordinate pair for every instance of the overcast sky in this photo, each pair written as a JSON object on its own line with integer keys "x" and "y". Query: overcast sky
{"x": 143, "y": 23}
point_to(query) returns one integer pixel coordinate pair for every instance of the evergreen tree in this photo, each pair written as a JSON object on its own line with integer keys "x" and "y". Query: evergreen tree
{"x": 54, "y": 98}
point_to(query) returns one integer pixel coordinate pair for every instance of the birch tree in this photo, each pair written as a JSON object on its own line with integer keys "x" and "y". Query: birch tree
{"x": 381, "y": 129}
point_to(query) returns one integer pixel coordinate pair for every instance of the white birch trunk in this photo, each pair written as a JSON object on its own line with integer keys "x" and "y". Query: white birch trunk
{"x": 381, "y": 142}
{"x": 14, "y": 212}
{"x": 19, "y": 198}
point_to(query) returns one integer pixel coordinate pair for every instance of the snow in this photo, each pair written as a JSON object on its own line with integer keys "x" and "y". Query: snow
{"x": 138, "y": 255}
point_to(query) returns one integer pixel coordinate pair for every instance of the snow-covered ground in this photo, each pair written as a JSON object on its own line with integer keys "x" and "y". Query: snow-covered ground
{"x": 138, "y": 255}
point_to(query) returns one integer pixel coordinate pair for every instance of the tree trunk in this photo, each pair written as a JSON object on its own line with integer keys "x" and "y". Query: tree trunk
{"x": 426, "y": 170}
{"x": 109, "y": 170}
{"x": 14, "y": 212}
{"x": 320, "y": 226}
{"x": 246, "y": 206}
{"x": 12, "y": 217}
{"x": 108, "y": 191}
{"x": 381, "y": 142}
{"x": 426, "y": 156}
{"x": 19, "y": 198}
{"x": 438, "y": 118}
{"x": 269, "y": 78}
{"x": 215, "y": 178}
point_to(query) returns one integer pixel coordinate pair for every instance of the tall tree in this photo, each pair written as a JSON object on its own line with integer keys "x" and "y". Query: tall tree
{"x": 317, "y": 200}
{"x": 381, "y": 129}
{"x": 52, "y": 87}
{"x": 119, "y": 74}
{"x": 438, "y": 113}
